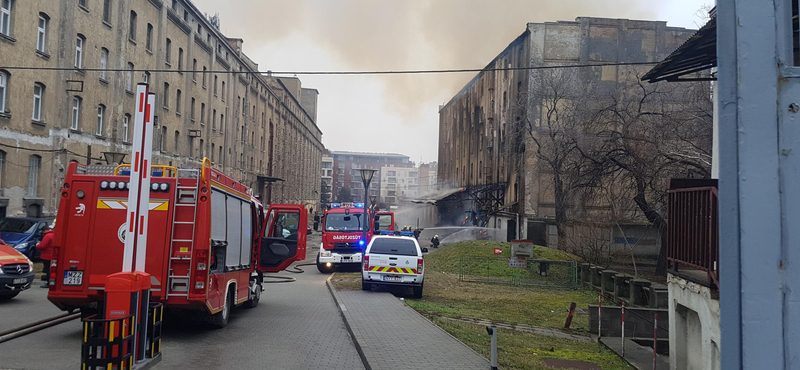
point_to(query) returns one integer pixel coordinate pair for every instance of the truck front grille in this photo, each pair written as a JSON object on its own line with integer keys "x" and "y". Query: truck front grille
{"x": 16, "y": 269}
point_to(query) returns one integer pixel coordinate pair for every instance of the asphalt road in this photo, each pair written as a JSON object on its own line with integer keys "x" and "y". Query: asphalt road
{"x": 296, "y": 326}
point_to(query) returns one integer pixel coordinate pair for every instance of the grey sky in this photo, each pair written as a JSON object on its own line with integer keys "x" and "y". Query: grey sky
{"x": 400, "y": 113}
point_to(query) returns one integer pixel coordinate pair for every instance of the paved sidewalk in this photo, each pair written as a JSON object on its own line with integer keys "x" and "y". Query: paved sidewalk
{"x": 394, "y": 336}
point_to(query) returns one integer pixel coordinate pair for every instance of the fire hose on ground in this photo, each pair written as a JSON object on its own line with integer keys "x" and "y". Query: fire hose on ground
{"x": 285, "y": 279}
{"x": 37, "y": 325}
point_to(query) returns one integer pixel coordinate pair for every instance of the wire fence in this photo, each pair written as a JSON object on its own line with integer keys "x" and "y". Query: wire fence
{"x": 533, "y": 272}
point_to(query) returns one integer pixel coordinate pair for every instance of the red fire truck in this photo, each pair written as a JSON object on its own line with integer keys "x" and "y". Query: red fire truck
{"x": 209, "y": 240}
{"x": 343, "y": 240}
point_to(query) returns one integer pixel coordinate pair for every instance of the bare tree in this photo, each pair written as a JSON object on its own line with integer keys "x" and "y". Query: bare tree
{"x": 650, "y": 133}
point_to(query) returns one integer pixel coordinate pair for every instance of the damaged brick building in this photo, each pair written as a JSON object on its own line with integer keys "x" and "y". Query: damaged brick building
{"x": 484, "y": 148}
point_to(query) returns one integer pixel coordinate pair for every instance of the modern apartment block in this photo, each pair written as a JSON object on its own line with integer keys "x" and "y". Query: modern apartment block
{"x": 346, "y": 174}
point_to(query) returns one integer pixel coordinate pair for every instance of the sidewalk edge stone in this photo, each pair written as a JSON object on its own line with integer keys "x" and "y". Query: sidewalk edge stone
{"x": 338, "y": 302}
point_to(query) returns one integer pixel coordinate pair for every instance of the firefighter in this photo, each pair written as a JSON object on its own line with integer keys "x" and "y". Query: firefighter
{"x": 45, "y": 248}
{"x": 316, "y": 222}
{"x": 417, "y": 231}
{"x": 435, "y": 241}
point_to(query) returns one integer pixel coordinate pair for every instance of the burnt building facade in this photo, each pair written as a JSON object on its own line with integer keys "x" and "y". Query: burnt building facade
{"x": 487, "y": 130}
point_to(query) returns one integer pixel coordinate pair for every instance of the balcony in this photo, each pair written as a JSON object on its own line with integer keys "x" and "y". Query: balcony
{"x": 693, "y": 231}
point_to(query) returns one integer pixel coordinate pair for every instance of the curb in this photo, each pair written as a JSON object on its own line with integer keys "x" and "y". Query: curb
{"x": 338, "y": 303}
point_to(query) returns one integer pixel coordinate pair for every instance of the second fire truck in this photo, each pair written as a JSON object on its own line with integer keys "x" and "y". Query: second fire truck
{"x": 210, "y": 242}
{"x": 343, "y": 227}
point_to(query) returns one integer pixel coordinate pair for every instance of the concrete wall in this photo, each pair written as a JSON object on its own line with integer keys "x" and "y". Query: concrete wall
{"x": 694, "y": 326}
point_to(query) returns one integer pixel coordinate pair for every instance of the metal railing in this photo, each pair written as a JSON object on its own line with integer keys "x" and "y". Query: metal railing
{"x": 537, "y": 272}
{"x": 693, "y": 230}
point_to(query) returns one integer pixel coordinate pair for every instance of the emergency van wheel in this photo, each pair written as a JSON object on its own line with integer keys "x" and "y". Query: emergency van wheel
{"x": 254, "y": 297}
{"x": 323, "y": 268}
{"x": 417, "y": 291}
{"x": 220, "y": 319}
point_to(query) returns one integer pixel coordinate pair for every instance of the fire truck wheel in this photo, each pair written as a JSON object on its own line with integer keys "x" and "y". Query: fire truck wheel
{"x": 252, "y": 302}
{"x": 220, "y": 319}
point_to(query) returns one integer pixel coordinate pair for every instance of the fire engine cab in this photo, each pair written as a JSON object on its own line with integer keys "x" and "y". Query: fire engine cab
{"x": 210, "y": 241}
{"x": 343, "y": 227}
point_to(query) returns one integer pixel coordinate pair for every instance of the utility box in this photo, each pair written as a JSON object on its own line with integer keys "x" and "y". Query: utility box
{"x": 522, "y": 248}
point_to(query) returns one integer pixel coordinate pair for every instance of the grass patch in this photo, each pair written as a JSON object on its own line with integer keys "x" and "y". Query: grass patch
{"x": 518, "y": 350}
{"x": 346, "y": 280}
{"x": 447, "y": 258}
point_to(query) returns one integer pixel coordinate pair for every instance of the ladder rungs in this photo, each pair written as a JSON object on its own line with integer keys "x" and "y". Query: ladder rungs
{"x": 181, "y": 258}
{"x": 177, "y": 295}
{"x": 184, "y": 222}
{"x": 186, "y": 204}
{"x": 179, "y": 276}
{"x": 183, "y": 240}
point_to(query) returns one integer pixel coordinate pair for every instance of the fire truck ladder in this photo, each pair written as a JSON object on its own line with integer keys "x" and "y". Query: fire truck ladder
{"x": 183, "y": 224}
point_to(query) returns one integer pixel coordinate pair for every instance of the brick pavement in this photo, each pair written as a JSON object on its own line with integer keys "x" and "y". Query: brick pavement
{"x": 394, "y": 336}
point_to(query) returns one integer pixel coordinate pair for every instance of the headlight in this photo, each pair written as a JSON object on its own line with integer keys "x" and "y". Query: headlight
{"x": 21, "y": 246}
{"x": 30, "y": 265}
{"x": 154, "y": 186}
{"x": 164, "y": 186}
{"x": 121, "y": 185}
{"x": 104, "y": 185}
{"x": 325, "y": 253}
{"x": 112, "y": 185}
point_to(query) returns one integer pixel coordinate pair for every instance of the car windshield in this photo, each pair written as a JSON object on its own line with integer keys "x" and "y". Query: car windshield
{"x": 395, "y": 246}
{"x": 342, "y": 222}
{"x": 11, "y": 225}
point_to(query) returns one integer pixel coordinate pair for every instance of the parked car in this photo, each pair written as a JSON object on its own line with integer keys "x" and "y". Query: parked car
{"x": 16, "y": 272}
{"x": 393, "y": 261}
{"x": 24, "y": 233}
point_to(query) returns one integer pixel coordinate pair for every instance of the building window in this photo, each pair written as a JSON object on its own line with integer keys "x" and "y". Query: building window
{"x": 107, "y": 11}
{"x": 101, "y": 112}
{"x": 204, "y": 76}
{"x": 132, "y": 26}
{"x": 103, "y": 63}
{"x": 3, "y": 90}
{"x": 177, "y": 140}
{"x": 163, "y": 147}
{"x": 223, "y": 90}
{"x": 5, "y": 17}
{"x": 215, "y": 85}
{"x": 214, "y": 119}
{"x": 213, "y": 149}
{"x": 76, "y": 112}
{"x": 149, "y": 40}
{"x": 79, "y": 41}
{"x": 202, "y": 112}
{"x": 126, "y": 121}
{"x": 41, "y": 36}
{"x": 192, "y": 107}
{"x": 38, "y": 98}
{"x": 166, "y": 95}
{"x": 221, "y": 122}
{"x": 180, "y": 59}
{"x": 82, "y": 3}
{"x": 2, "y": 165}
{"x": 194, "y": 70}
{"x": 147, "y": 77}
{"x": 169, "y": 52}
{"x": 129, "y": 78}
{"x": 178, "y": 101}
{"x": 34, "y": 164}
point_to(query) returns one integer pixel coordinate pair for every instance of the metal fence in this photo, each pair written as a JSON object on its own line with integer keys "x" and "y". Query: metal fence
{"x": 537, "y": 272}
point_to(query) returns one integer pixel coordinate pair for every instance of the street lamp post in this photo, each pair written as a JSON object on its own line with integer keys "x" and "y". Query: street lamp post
{"x": 366, "y": 178}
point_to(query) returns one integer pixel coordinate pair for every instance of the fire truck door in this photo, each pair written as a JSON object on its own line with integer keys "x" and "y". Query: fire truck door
{"x": 283, "y": 237}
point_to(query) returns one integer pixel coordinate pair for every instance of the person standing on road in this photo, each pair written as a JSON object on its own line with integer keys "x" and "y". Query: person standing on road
{"x": 45, "y": 248}
{"x": 316, "y": 222}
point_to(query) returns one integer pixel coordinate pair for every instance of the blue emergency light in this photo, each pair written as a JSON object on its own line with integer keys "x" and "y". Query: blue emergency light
{"x": 359, "y": 205}
{"x": 386, "y": 232}
{"x": 335, "y": 205}
{"x": 407, "y": 233}
{"x": 361, "y": 243}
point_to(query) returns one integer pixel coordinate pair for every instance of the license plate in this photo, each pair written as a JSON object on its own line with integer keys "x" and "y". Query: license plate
{"x": 392, "y": 278}
{"x": 20, "y": 281}
{"x": 73, "y": 277}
